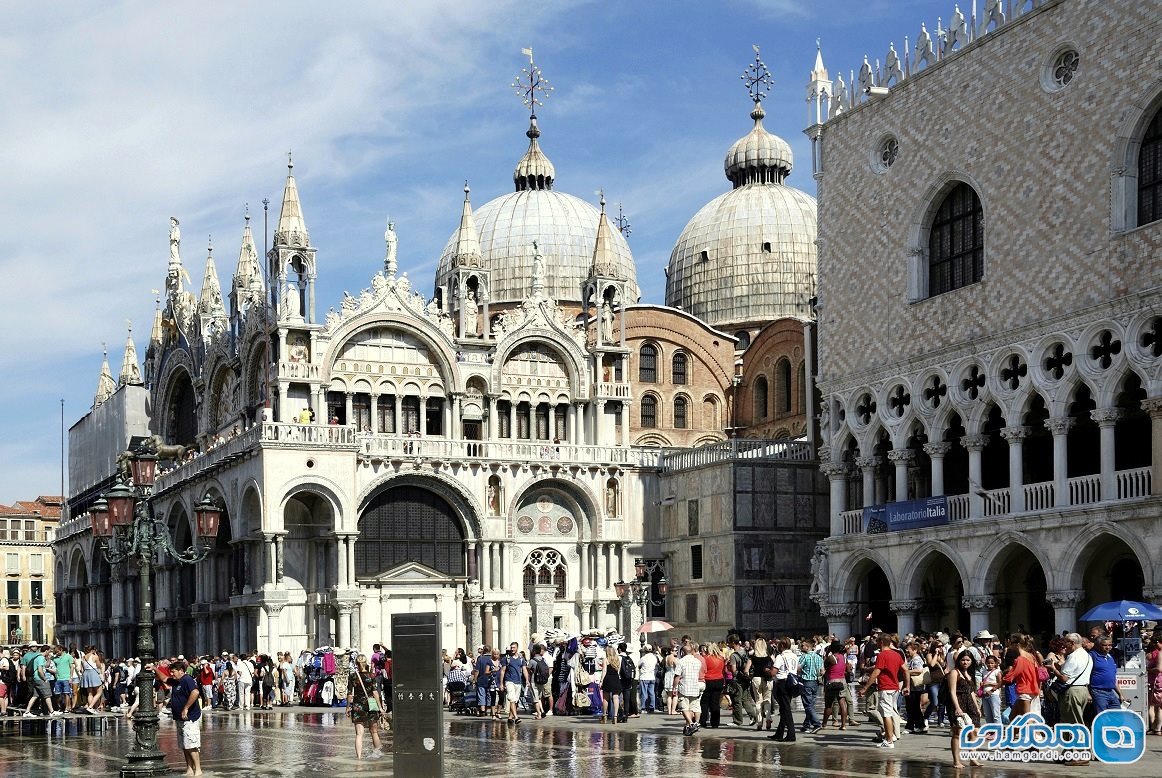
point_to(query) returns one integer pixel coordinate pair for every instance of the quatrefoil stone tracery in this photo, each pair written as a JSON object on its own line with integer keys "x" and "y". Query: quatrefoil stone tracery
{"x": 973, "y": 382}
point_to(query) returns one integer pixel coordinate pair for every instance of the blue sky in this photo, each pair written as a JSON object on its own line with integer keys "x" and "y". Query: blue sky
{"x": 130, "y": 112}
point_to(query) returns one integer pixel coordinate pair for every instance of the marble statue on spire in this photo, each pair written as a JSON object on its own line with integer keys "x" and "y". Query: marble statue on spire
{"x": 391, "y": 246}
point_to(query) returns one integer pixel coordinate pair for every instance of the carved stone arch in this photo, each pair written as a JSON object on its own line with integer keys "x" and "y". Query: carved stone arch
{"x": 444, "y": 358}
{"x": 78, "y": 569}
{"x": 1124, "y": 160}
{"x": 869, "y": 438}
{"x": 916, "y": 569}
{"x": 845, "y": 580}
{"x": 1022, "y": 403}
{"x": 464, "y": 502}
{"x": 571, "y": 354}
{"x": 1114, "y": 382}
{"x": 921, "y": 226}
{"x": 1001, "y": 370}
{"x": 859, "y": 416}
{"x": 223, "y": 377}
{"x": 176, "y": 378}
{"x": 1070, "y": 567}
{"x": 707, "y": 440}
{"x": 321, "y": 486}
{"x": 587, "y": 504}
{"x": 253, "y": 357}
{"x": 249, "y": 492}
{"x": 1043, "y": 358}
{"x": 995, "y": 555}
{"x": 337, "y": 383}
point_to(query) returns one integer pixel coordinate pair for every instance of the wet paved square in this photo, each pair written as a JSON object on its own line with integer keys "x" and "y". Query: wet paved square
{"x": 312, "y": 741}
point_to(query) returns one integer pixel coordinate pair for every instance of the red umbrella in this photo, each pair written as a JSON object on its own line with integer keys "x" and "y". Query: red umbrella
{"x": 655, "y": 625}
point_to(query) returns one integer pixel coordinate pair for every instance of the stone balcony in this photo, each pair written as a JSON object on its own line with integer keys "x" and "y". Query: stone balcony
{"x": 1083, "y": 490}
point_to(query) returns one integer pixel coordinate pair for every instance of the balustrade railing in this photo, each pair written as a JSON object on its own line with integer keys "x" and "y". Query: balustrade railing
{"x": 1084, "y": 489}
{"x": 996, "y": 502}
{"x": 852, "y": 521}
{"x": 1134, "y": 483}
{"x": 958, "y": 507}
{"x": 738, "y": 449}
{"x": 1039, "y": 496}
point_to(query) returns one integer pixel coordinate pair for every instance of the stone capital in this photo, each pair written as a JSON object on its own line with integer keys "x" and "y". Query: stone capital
{"x": 837, "y": 611}
{"x": 866, "y": 463}
{"x": 974, "y": 442}
{"x": 937, "y": 450}
{"x": 1067, "y": 598}
{"x": 1153, "y": 406}
{"x": 1106, "y": 417}
{"x": 1015, "y": 434}
{"x": 901, "y": 455}
{"x": 834, "y": 471}
{"x": 978, "y": 602}
{"x": 1059, "y": 425}
{"x": 904, "y": 606}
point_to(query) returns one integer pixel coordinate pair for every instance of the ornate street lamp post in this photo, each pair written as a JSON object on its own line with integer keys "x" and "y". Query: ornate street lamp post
{"x": 127, "y": 531}
{"x": 640, "y": 591}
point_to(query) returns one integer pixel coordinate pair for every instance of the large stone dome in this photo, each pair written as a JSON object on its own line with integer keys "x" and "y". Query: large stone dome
{"x": 748, "y": 256}
{"x": 564, "y": 227}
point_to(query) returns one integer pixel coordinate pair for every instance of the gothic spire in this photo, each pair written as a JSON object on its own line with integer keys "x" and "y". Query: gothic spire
{"x": 130, "y": 369}
{"x": 604, "y": 259}
{"x": 156, "y": 333}
{"x": 467, "y": 253}
{"x": 292, "y": 228}
{"x": 247, "y": 273}
{"x": 105, "y": 383}
{"x": 210, "y": 301}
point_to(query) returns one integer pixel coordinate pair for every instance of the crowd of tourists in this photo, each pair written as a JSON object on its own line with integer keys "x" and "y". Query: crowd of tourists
{"x": 790, "y": 687}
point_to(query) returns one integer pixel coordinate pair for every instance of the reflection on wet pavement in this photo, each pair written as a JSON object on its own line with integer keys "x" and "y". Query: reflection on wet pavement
{"x": 310, "y": 742}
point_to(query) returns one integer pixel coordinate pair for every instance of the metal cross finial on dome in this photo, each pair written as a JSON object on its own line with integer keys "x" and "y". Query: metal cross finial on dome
{"x": 290, "y": 161}
{"x": 622, "y": 222}
{"x": 757, "y": 78}
{"x": 531, "y": 86}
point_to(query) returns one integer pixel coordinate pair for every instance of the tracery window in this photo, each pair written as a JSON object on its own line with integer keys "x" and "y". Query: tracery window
{"x": 956, "y": 242}
{"x": 1150, "y": 173}
{"x": 545, "y": 566}
{"x": 679, "y": 368}
{"x": 647, "y": 371}
{"x": 649, "y": 411}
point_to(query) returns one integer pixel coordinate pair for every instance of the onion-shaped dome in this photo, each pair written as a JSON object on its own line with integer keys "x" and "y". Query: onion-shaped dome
{"x": 758, "y": 157}
{"x": 564, "y": 227}
{"x": 748, "y": 256}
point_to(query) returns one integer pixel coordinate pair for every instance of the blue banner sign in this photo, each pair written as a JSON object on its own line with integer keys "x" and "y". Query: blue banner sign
{"x": 902, "y": 516}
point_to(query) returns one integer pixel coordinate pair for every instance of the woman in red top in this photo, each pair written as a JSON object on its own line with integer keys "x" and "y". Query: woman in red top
{"x": 1023, "y": 673}
{"x": 715, "y": 681}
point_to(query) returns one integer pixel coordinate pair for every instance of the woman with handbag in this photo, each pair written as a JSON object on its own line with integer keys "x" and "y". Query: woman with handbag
{"x": 917, "y": 677}
{"x": 937, "y": 703}
{"x": 365, "y": 707}
{"x": 962, "y": 694}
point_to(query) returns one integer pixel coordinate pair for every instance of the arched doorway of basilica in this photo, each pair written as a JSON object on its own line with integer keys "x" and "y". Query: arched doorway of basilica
{"x": 410, "y": 555}
{"x": 309, "y": 565}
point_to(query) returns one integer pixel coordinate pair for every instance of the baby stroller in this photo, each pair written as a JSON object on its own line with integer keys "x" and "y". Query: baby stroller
{"x": 463, "y": 698}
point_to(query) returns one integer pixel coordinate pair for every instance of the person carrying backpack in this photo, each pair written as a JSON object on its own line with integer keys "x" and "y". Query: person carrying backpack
{"x": 542, "y": 673}
{"x": 739, "y": 687}
{"x": 629, "y": 685}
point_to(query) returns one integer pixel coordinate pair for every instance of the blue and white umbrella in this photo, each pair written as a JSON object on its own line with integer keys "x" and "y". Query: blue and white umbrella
{"x": 1123, "y": 610}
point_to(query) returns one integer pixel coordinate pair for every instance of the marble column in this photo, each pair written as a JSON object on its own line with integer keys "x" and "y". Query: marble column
{"x": 398, "y": 425}
{"x": 280, "y": 560}
{"x": 1064, "y": 604}
{"x": 1060, "y": 427}
{"x": 839, "y": 618}
{"x": 504, "y": 634}
{"x": 583, "y": 568}
{"x": 273, "y": 637}
{"x": 471, "y": 562}
{"x": 489, "y": 635}
{"x": 475, "y": 628}
{"x": 1153, "y": 407}
{"x": 867, "y": 466}
{"x": 423, "y": 420}
{"x": 936, "y": 452}
{"x": 375, "y": 414}
{"x": 486, "y": 566}
{"x": 979, "y": 608}
{"x": 341, "y": 559}
{"x": 599, "y": 423}
{"x": 837, "y": 476}
{"x": 1015, "y": 437}
{"x": 901, "y": 458}
{"x": 905, "y": 611}
{"x": 1107, "y": 420}
{"x": 454, "y": 426}
{"x": 975, "y": 444}
{"x": 345, "y": 624}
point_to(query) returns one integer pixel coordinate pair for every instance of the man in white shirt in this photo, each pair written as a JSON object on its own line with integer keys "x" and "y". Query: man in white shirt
{"x": 689, "y": 682}
{"x": 244, "y": 673}
{"x": 647, "y": 672}
{"x": 1075, "y": 672}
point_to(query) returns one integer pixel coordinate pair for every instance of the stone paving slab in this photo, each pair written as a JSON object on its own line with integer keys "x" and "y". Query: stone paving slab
{"x": 315, "y": 741}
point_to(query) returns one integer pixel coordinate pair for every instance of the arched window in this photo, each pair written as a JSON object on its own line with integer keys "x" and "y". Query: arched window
{"x": 405, "y": 524}
{"x": 545, "y": 566}
{"x": 956, "y": 242}
{"x": 680, "y": 406}
{"x": 647, "y": 370}
{"x": 649, "y": 411}
{"x": 679, "y": 370}
{"x": 783, "y": 382}
{"x": 1150, "y": 173}
{"x": 760, "y": 398}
